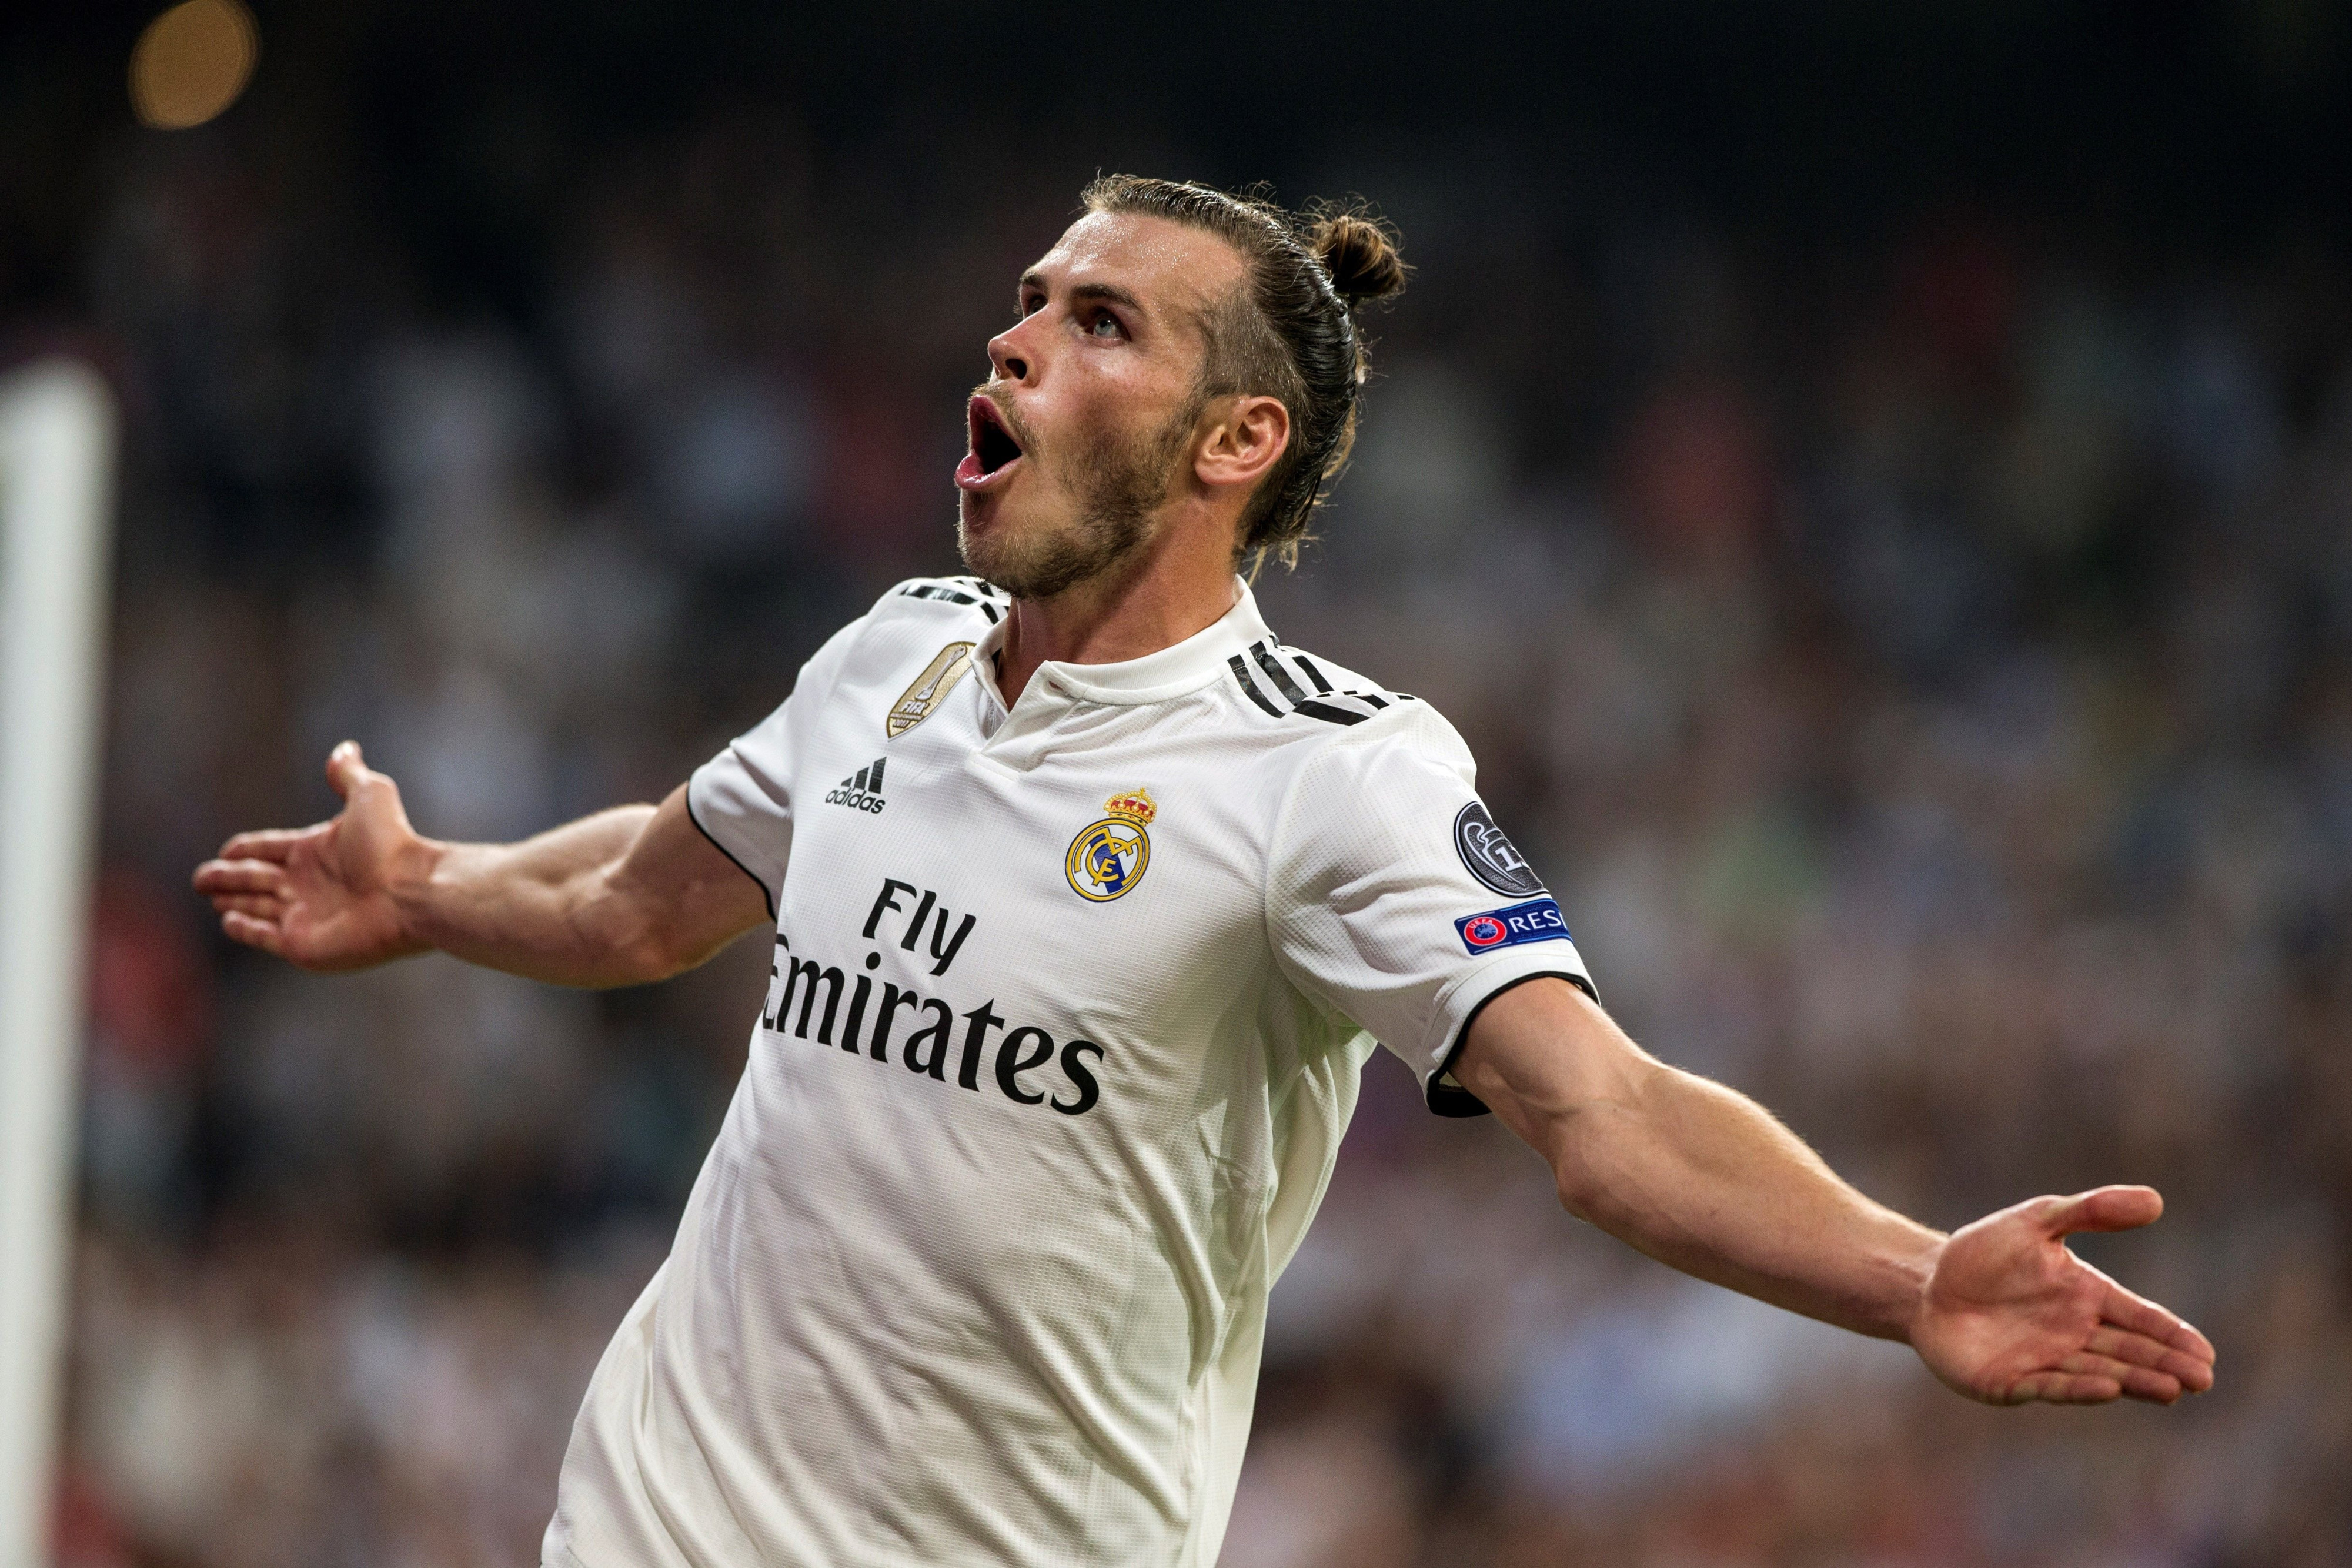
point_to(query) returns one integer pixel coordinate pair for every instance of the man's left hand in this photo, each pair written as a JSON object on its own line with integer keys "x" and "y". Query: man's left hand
{"x": 2009, "y": 1316}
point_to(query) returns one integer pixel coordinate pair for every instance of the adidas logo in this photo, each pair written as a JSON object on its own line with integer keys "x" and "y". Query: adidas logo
{"x": 862, "y": 791}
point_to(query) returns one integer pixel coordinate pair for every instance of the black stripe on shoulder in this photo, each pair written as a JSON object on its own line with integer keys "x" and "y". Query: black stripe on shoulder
{"x": 1322, "y": 685}
{"x": 1268, "y": 655}
{"x": 983, "y": 595}
{"x": 1264, "y": 653}
{"x": 1329, "y": 714}
{"x": 1241, "y": 673}
{"x": 941, "y": 592}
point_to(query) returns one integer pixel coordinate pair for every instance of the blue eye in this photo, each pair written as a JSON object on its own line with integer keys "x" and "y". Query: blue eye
{"x": 1105, "y": 327}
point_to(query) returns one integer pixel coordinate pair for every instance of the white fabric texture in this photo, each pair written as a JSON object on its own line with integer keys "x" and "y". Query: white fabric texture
{"x": 1046, "y": 1087}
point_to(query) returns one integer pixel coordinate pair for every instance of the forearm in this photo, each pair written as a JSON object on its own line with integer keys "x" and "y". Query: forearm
{"x": 1702, "y": 1178}
{"x": 1687, "y": 1171}
{"x": 544, "y": 908}
{"x": 630, "y": 895}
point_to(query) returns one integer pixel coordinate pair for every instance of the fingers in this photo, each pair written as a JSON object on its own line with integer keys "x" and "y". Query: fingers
{"x": 2087, "y": 1382}
{"x": 2129, "y": 1309}
{"x": 267, "y": 844}
{"x": 2103, "y": 1208}
{"x": 2138, "y": 1351}
{"x": 346, "y": 768}
{"x": 2063, "y": 1388}
{"x": 255, "y": 888}
{"x": 261, "y": 908}
{"x": 249, "y": 896}
{"x": 254, "y": 931}
{"x": 215, "y": 879}
{"x": 2142, "y": 1317}
{"x": 346, "y": 771}
{"x": 2137, "y": 1381}
{"x": 2191, "y": 1372}
{"x": 2139, "y": 1330}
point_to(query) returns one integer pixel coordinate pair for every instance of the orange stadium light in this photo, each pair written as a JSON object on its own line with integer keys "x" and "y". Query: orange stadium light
{"x": 191, "y": 62}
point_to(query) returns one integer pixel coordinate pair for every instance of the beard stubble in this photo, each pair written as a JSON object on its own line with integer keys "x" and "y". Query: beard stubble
{"x": 1118, "y": 478}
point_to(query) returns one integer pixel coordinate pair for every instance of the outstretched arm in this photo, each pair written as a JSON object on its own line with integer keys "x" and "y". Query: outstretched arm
{"x": 631, "y": 895}
{"x": 1704, "y": 1180}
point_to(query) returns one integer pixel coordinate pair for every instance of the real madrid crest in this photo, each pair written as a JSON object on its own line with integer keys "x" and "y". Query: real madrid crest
{"x": 917, "y": 703}
{"x": 1108, "y": 857}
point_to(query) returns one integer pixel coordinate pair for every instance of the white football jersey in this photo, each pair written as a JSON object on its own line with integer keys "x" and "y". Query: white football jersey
{"x": 1068, "y": 1009}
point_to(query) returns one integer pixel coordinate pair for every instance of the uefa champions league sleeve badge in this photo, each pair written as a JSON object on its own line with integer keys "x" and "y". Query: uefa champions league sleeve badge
{"x": 1490, "y": 857}
{"x": 1108, "y": 857}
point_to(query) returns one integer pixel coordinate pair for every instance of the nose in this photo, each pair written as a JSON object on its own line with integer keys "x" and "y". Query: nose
{"x": 1009, "y": 357}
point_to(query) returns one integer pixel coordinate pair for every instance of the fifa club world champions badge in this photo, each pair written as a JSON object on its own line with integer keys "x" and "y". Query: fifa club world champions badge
{"x": 1108, "y": 857}
{"x": 930, "y": 689}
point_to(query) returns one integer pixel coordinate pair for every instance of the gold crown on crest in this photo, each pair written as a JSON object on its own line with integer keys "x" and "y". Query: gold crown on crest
{"x": 1135, "y": 806}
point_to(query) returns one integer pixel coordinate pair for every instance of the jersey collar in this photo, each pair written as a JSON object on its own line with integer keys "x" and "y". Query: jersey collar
{"x": 1183, "y": 667}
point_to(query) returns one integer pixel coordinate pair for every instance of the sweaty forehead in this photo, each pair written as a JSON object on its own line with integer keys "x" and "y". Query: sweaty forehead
{"x": 1167, "y": 266}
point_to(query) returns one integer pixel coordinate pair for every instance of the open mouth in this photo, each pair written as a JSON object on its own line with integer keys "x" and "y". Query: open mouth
{"x": 994, "y": 448}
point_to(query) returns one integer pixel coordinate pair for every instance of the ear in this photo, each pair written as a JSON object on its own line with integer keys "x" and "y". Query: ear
{"x": 1243, "y": 443}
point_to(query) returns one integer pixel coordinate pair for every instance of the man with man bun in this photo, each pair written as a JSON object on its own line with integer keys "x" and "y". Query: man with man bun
{"x": 1089, "y": 898}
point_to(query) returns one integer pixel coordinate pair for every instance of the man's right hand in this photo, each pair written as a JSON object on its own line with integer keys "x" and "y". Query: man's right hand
{"x": 626, "y": 895}
{"x": 326, "y": 897}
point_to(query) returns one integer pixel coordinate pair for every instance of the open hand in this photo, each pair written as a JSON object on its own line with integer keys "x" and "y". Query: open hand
{"x": 324, "y": 897}
{"x": 2009, "y": 1316}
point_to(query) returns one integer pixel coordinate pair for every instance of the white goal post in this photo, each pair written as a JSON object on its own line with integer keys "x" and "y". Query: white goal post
{"x": 57, "y": 507}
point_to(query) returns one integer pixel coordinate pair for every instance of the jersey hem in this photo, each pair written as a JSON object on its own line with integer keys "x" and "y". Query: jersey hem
{"x": 765, "y": 897}
{"x": 1444, "y": 1099}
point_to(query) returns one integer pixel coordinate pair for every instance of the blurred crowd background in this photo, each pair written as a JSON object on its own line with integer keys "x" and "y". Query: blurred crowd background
{"x": 1875, "y": 492}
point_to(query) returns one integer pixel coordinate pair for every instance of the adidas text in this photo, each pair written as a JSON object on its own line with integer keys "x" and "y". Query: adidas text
{"x": 862, "y": 791}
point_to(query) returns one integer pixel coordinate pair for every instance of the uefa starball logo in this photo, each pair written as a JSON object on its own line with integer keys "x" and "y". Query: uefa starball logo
{"x": 1484, "y": 931}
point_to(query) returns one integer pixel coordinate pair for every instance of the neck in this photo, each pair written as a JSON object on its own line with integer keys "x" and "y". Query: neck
{"x": 1150, "y": 603}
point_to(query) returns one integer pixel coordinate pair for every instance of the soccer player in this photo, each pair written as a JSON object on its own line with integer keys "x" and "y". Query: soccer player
{"x": 1090, "y": 898}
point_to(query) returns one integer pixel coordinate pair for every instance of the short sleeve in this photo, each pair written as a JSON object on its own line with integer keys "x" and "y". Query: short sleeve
{"x": 742, "y": 798}
{"x": 1394, "y": 899}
